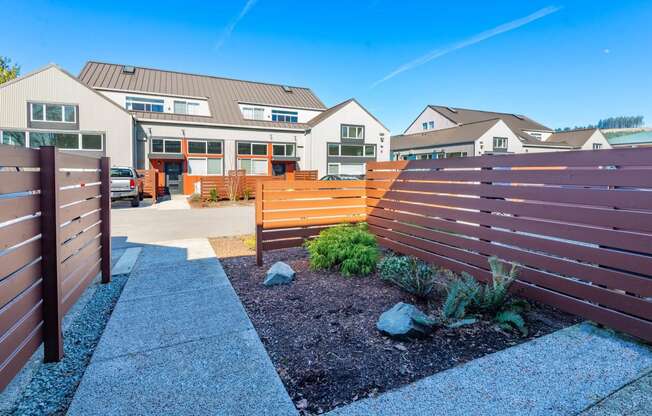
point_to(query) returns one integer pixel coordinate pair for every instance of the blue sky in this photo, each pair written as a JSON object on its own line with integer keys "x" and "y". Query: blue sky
{"x": 564, "y": 63}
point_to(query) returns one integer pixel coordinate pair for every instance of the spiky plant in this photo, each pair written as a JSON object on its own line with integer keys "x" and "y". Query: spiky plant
{"x": 493, "y": 296}
{"x": 461, "y": 293}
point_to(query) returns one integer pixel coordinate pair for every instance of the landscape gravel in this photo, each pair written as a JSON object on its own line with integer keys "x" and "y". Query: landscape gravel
{"x": 53, "y": 385}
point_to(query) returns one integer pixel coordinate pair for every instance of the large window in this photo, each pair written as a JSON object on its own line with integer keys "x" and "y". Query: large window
{"x": 57, "y": 113}
{"x": 285, "y": 149}
{"x": 285, "y": 116}
{"x": 500, "y": 143}
{"x": 355, "y": 169}
{"x": 204, "y": 166}
{"x": 352, "y": 132}
{"x": 352, "y": 150}
{"x": 15, "y": 138}
{"x": 252, "y": 149}
{"x": 186, "y": 107}
{"x": 253, "y": 166}
{"x": 166, "y": 146}
{"x": 145, "y": 104}
{"x": 253, "y": 113}
{"x": 204, "y": 147}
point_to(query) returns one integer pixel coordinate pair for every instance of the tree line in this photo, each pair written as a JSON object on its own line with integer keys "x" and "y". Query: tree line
{"x": 620, "y": 122}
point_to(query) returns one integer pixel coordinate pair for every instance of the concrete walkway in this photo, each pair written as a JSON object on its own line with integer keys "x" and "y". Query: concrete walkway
{"x": 179, "y": 342}
{"x": 562, "y": 373}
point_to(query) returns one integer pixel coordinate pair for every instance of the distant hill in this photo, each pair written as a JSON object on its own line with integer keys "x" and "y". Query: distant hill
{"x": 610, "y": 133}
{"x": 619, "y": 122}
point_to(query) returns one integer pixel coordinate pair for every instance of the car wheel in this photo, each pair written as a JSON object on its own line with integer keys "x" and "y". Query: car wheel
{"x": 135, "y": 202}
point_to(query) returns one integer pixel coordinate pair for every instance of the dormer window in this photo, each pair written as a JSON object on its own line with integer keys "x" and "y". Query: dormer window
{"x": 55, "y": 113}
{"x": 186, "y": 107}
{"x": 152, "y": 105}
{"x": 285, "y": 116}
{"x": 253, "y": 113}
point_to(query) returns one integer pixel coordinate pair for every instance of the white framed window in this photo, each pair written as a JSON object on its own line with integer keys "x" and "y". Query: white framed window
{"x": 253, "y": 113}
{"x": 153, "y": 105}
{"x": 351, "y": 150}
{"x": 431, "y": 124}
{"x": 597, "y": 146}
{"x": 13, "y": 137}
{"x": 166, "y": 145}
{"x": 253, "y": 149}
{"x": 352, "y": 132}
{"x": 253, "y": 166}
{"x": 285, "y": 116}
{"x": 424, "y": 125}
{"x": 333, "y": 169}
{"x": 352, "y": 168}
{"x": 65, "y": 140}
{"x": 500, "y": 143}
{"x": 205, "y": 147}
{"x": 186, "y": 107}
{"x": 55, "y": 113}
{"x": 201, "y": 166}
{"x": 283, "y": 149}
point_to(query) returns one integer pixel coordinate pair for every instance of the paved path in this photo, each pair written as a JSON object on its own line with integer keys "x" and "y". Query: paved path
{"x": 147, "y": 225}
{"x": 179, "y": 342}
{"x": 559, "y": 374}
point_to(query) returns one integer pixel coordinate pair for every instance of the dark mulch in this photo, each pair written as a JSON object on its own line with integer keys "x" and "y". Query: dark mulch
{"x": 320, "y": 332}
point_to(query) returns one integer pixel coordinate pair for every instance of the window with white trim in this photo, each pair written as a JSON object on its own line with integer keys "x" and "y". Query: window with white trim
{"x": 500, "y": 143}
{"x": 597, "y": 146}
{"x": 55, "y": 113}
{"x": 198, "y": 166}
{"x": 166, "y": 146}
{"x": 283, "y": 149}
{"x": 333, "y": 169}
{"x": 252, "y": 149}
{"x": 186, "y": 107}
{"x": 351, "y": 150}
{"x": 204, "y": 147}
{"x": 253, "y": 166}
{"x": 153, "y": 105}
{"x": 253, "y": 113}
{"x": 13, "y": 137}
{"x": 352, "y": 168}
{"x": 285, "y": 116}
{"x": 424, "y": 125}
{"x": 352, "y": 132}
{"x": 67, "y": 141}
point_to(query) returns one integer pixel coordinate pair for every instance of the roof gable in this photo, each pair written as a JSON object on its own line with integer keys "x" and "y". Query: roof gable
{"x": 516, "y": 122}
{"x": 334, "y": 109}
{"x": 574, "y": 138}
{"x": 454, "y": 135}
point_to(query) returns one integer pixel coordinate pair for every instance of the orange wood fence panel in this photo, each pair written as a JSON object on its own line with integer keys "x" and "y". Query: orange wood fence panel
{"x": 288, "y": 212}
{"x": 302, "y": 175}
{"x": 54, "y": 239}
{"x": 580, "y": 224}
{"x": 150, "y": 183}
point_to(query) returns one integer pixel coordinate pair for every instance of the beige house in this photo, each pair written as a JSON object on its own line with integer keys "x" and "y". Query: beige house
{"x": 51, "y": 107}
{"x": 441, "y": 131}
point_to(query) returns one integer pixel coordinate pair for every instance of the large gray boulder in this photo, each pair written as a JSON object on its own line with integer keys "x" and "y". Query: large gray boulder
{"x": 404, "y": 321}
{"x": 279, "y": 274}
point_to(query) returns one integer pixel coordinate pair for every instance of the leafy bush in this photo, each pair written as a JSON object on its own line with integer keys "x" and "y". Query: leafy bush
{"x": 350, "y": 248}
{"x": 410, "y": 274}
{"x": 246, "y": 194}
{"x": 466, "y": 295}
{"x": 213, "y": 195}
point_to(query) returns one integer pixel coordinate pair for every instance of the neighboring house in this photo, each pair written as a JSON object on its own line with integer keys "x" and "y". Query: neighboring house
{"x": 441, "y": 131}
{"x": 638, "y": 139}
{"x": 51, "y": 107}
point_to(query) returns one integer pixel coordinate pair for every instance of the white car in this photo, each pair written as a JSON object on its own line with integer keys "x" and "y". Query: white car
{"x": 126, "y": 184}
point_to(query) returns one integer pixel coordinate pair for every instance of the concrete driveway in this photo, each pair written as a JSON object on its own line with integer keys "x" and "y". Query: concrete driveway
{"x": 174, "y": 220}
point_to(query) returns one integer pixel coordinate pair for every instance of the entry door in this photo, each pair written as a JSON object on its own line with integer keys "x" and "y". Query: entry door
{"x": 173, "y": 177}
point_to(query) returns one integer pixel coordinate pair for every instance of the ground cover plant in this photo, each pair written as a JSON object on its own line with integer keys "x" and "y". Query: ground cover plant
{"x": 320, "y": 331}
{"x": 351, "y": 249}
{"x": 412, "y": 275}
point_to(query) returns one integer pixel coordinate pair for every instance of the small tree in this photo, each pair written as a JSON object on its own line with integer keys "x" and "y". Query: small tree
{"x": 233, "y": 184}
{"x": 8, "y": 71}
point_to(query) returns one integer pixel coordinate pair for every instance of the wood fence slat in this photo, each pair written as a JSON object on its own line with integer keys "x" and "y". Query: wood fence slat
{"x": 71, "y": 297}
{"x": 23, "y": 353}
{"x": 73, "y": 262}
{"x": 19, "y": 257}
{"x": 19, "y": 307}
{"x": 75, "y": 161}
{"x": 21, "y": 331}
{"x": 18, "y": 156}
{"x": 313, "y": 203}
{"x": 69, "y": 178}
{"x": 13, "y": 234}
{"x": 17, "y": 283}
{"x": 78, "y": 225}
{"x": 13, "y": 182}
{"x": 79, "y": 241}
{"x": 315, "y": 213}
{"x": 71, "y": 195}
{"x": 282, "y": 195}
{"x": 14, "y": 208}
{"x": 79, "y": 271}
{"x": 71, "y": 212}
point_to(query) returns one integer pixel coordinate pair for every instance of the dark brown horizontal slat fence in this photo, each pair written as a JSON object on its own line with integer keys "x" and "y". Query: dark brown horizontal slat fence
{"x": 54, "y": 239}
{"x": 288, "y": 212}
{"x": 580, "y": 223}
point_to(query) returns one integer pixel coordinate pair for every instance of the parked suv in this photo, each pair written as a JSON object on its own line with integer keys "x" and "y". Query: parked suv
{"x": 126, "y": 184}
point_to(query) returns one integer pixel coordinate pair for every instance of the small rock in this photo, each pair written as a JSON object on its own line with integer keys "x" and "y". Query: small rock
{"x": 302, "y": 404}
{"x": 279, "y": 274}
{"x": 404, "y": 321}
{"x": 400, "y": 347}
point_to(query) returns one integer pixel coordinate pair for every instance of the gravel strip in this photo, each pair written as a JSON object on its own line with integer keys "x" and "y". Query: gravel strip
{"x": 53, "y": 385}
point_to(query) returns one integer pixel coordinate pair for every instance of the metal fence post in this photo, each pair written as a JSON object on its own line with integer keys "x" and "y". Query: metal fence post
{"x": 51, "y": 254}
{"x": 105, "y": 217}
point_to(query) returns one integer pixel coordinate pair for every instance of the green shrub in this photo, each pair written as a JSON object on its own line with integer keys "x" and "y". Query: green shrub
{"x": 195, "y": 197}
{"x": 249, "y": 241}
{"x": 351, "y": 249}
{"x": 410, "y": 274}
{"x": 246, "y": 194}
{"x": 465, "y": 295}
{"x": 213, "y": 195}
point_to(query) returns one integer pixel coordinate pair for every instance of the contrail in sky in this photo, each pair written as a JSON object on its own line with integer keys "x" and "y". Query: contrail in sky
{"x": 437, "y": 53}
{"x": 231, "y": 26}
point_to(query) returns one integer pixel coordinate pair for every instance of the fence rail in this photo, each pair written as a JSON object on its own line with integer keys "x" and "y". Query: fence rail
{"x": 580, "y": 223}
{"x": 150, "y": 181}
{"x": 54, "y": 239}
{"x": 302, "y": 175}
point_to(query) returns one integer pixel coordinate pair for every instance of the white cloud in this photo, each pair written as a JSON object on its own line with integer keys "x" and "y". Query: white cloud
{"x": 437, "y": 53}
{"x": 606, "y": 51}
{"x": 226, "y": 34}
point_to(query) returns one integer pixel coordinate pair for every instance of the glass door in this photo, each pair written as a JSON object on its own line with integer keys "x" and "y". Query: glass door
{"x": 173, "y": 177}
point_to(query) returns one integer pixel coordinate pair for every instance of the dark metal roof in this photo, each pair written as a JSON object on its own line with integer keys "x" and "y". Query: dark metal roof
{"x": 223, "y": 94}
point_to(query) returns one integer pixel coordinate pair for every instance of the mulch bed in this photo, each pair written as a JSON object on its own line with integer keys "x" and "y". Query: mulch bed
{"x": 218, "y": 204}
{"x": 320, "y": 331}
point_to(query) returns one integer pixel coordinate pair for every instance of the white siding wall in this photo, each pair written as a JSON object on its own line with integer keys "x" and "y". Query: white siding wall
{"x": 599, "y": 138}
{"x": 328, "y": 131}
{"x": 303, "y": 115}
{"x": 120, "y": 98}
{"x": 485, "y": 143}
{"x": 426, "y": 115}
{"x": 96, "y": 114}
